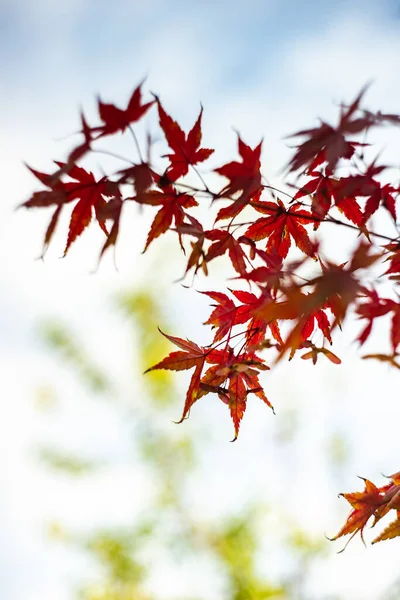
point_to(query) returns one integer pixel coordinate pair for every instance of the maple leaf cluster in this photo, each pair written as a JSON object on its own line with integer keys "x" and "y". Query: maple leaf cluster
{"x": 373, "y": 502}
{"x": 289, "y": 297}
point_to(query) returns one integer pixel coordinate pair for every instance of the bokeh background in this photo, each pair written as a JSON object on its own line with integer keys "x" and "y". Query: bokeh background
{"x": 102, "y": 495}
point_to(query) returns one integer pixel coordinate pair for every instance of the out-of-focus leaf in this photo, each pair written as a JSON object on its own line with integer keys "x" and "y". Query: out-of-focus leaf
{"x": 66, "y": 463}
{"x": 59, "y": 338}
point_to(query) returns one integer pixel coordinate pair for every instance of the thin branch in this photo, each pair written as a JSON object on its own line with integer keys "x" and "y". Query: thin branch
{"x": 136, "y": 143}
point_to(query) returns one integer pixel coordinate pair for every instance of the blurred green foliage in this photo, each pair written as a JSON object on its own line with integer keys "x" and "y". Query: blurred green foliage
{"x": 61, "y": 340}
{"x": 65, "y": 462}
{"x": 125, "y": 558}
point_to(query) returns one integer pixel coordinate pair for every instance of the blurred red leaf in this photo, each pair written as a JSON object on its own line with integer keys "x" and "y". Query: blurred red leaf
{"x": 115, "y": 119}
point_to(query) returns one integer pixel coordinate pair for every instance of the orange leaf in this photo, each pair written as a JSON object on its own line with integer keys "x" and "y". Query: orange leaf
{"x": 391, "y": 531}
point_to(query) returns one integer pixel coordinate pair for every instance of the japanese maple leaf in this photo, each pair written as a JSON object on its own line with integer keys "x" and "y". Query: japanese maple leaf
{"x": 308, "y": 311}
{"x": 376, "y": 502}
{"x": 363, "y": 185}
{"x": 115, "y": 119}
{"x": 141, "y": 175}
{"x": 323, "y": 190}
{"x": 336, "y": 288}
{"x": 367, "y": 185}
{"x": 390, "y": 498}
{"x": 223, "y": 316}
{"x": 370, "y": 310}
{"x": 339, "y": 285}
{"x": 271, "y": 274}
{"x": 364, "y": 505}
{"x": 112, "y": 210}
{"x": 196, "y": 258}
{"x": 257, "y": 327}
{"x": 317, "y": 317}
{"x": 280, "y": 226}
{"x": 329, "y": 144}
{"x": 56, "y": 195}
{"x": 186, "y": 148}
{"x": 395, "y": 327}
{"x": 390, "y": 532}
{"x": 240, "y": 371}
{"x": 382, "y": 194}
{"x": 172, "y": 208}
{"x": 377, "y": 307}
{"x": 226, "y": 315}
{"x": 394, "y": 258}
{"x": 244, "y": 177}
{"x": 89, "y": 193}
{"x": 241, "y": 374}
{"x": 223, "y": 242}
{"x": 191, "y": 355}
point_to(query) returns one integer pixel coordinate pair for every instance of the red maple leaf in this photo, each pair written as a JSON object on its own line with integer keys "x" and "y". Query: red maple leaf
{"x": 223, "y": 316}
{"x": 141, "y": 175}
{"x": 197, "y": 257}
{"x": 223, "y": 242}
{"x": 395, "y": 327}
{"x": 243, "y": 176}
{"x": 336, "y": 288}
{"x": 112, "y": 210}
{"x": 56, "y": 193}
{"x": 247, "y": 311}
{"x": 329, "y": 144}
{"x": 227, "y": 314}
{"x": 186, "y": 148}
{"x": 382, "y": 194}
{"x": 367, "y": 186}
{"x": 241, "y": 374}
{"x": 240, "y": 371}
{"x": 377, "y": 307}
{"x": 282, "y": 225}
{"x": 370, "y": 310}
{"x": 172, "y": 208}
{"x": 89, "y": 193}
{"x": 394, "y": 258}
{"x": 323, "y": 190}
{"x": 115, "y": 119}
{"x": 271, "y": 274}
{"x": 317, "y": 317}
